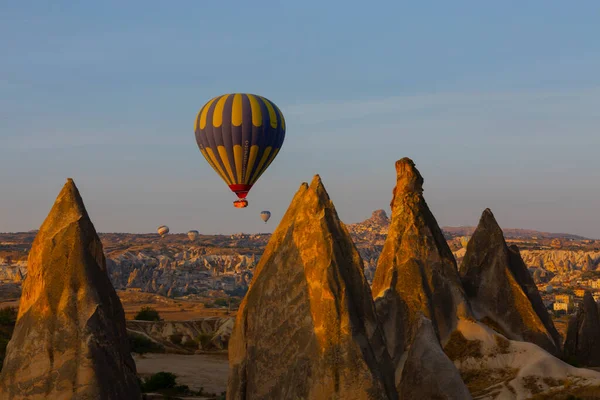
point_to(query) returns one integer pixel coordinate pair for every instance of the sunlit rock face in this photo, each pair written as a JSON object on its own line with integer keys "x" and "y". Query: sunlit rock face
{"x": 502, "y": 291}
{"x": 307, "y": 328}
{"x": 69, "y": 341}
{"x": 416, "y": 274}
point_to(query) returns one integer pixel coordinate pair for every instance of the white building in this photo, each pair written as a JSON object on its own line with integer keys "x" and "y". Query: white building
{"x": 567, "y": 307}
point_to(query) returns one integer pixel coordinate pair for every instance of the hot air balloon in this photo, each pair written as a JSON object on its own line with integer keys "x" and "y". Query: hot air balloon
{"x": 265, "y": 215}
{"x": 192, "y": 235}
{"x": 163, "y": 230}
{"x": 240, "y": 135}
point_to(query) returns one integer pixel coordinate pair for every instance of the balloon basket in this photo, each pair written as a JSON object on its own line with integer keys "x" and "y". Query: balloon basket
{"x": 240, "y": 203}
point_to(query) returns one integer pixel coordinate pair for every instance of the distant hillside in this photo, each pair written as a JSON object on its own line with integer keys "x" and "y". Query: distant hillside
{"x": 454, "y": 231}
{"x": 375, "y": 228}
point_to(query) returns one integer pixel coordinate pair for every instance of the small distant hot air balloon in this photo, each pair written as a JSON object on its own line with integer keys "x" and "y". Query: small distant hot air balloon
{"x": 240, "y": 135}
{"x": 163, "y": 230}
{"x": 192, "y": 235}
{"x": 265, "y": 215}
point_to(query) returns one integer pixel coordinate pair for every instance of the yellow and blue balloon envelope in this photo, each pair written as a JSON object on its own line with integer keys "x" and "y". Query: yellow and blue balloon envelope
{"x": 240, "y": 135}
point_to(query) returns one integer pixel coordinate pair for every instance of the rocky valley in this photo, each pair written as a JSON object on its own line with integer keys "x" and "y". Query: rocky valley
{"x": 223, "y": 265}
{"x": 389, "y": 308}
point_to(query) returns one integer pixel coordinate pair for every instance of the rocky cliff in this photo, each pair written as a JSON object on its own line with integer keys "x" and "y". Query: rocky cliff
{"x": 500, "y": 289}
{"x": 186, "y": 337}
{"x": 307, "y": 328}
{"x": 416, "y": 273}
{"x": 181, "y": 267}
{"x": 418, "y": 293}
{"x": 69, "y": 341}
{"x": 562, "y": 261}
{"x": 180, "y": 270}
{"x": 582, "y": 345}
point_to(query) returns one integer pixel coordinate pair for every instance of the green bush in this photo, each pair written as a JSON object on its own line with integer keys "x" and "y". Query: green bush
{"x": 159, "y": 381}
{"x": 141, "y": 344}
{"x": 148, "y": 314}
{"x": 165, "y": 383}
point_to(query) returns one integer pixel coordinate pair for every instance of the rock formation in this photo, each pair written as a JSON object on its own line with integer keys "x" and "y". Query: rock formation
{"x": 525, "y": 280}
{"x": 501, "y": 290}
{"x": 428, "y": 373}
{"x": 69, "y": 341}
{"x": 582, "y": 344}
{"x": 558, "y": 261}
{"x": 307, "y": 328}
{"x": 165, "y": 333}
{"x": 589, "y": 264}
{"x": 416, "y": 275}
{"x": 380, "y": 218}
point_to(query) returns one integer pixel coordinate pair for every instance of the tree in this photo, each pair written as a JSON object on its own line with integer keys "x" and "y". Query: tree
{"x": 147, "y": 314}
{"x": 159, "y": 381}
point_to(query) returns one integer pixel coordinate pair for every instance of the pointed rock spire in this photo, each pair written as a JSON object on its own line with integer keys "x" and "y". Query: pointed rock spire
{"x": 582, "y": 344}
{"x": 380, "y": 217}
{"x": 416, "y": 274}
{"x": 307, "y": 327}
{"x": 500, "y": 289}
{"x": 70, "y": 339}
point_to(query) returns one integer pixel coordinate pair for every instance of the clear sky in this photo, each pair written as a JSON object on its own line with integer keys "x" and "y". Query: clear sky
{"x": 498, "y": 104}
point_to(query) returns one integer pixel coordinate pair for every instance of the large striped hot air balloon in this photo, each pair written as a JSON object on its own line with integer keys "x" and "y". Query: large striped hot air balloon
{"x": 162, "y": 230}
{"x": 240, "y": 135}
{"x": 265, "y": 215}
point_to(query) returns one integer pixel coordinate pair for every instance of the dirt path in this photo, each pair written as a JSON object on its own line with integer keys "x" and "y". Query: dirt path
{"x": 200, "y": 370}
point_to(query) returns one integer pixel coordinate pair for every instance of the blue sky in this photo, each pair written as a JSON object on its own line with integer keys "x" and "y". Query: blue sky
{"x": 498, "y": 104}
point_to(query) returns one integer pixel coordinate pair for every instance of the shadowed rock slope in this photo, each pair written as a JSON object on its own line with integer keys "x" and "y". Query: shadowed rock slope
{"x": 307, "y": 328}
{"x": 69, "y": 341}
{"x": 428, "y": 373}
{"x": 525, "y": 280}
{"x": 416, "y": 274}
{"x": 501, "y": 291}
{"x": 582, "y": 344}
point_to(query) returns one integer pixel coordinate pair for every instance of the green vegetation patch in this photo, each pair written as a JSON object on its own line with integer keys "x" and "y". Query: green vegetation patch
{"x": 147, "y": 314}
{"x": 165, "y": 383}
{"x": 141, "y": 344}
